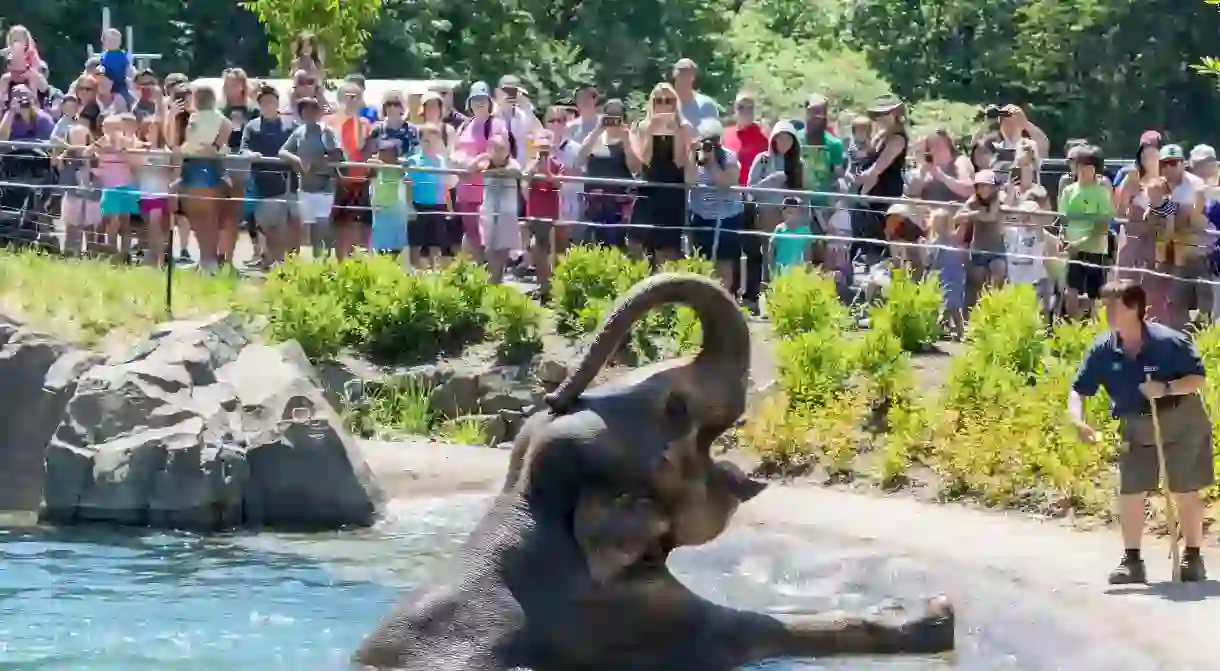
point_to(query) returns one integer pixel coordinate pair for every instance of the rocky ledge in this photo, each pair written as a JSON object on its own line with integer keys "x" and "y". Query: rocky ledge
{"x": 194, "y": 427}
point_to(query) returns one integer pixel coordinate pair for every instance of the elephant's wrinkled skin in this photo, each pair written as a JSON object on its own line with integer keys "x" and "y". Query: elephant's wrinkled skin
{"x": 567, "y": 571}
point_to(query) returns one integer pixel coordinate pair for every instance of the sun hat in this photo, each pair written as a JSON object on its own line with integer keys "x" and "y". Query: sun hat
{"x": 884, "y": 105}
{"x": 478, "y": 90}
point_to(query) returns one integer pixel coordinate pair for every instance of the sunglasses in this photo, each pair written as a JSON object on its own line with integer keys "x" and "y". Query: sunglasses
{"x": 388, "y": 104}
{"x": 1171, "y": 163}
{"x": 745, "y": 107}
{"x": 86, "y": 89}
{"x": 557, "y": 120}
{"x": 664, "y": 101}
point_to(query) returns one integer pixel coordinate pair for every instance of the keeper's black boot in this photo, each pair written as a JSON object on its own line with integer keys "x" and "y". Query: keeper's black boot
{"x": 1192, "y": 566}
{"x": 1130, "y": 571}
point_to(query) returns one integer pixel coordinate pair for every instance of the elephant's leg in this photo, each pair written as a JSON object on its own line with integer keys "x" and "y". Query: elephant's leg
{"x": 893, "y": 631}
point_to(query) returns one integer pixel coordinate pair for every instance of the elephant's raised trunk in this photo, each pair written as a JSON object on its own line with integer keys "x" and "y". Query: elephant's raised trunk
{"x": 726, "y": 337}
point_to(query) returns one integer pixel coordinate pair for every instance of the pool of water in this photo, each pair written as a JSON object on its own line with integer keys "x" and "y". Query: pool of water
{"x": 106, "y": 600}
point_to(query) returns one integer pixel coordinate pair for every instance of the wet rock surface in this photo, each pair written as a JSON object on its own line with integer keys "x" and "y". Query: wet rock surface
{"x": 193, "y": 427}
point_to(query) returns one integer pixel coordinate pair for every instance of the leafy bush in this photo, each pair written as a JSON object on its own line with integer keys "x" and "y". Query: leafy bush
{"x": 804, "y": 300}
{"x": 515, "y": 322}
{"x": 814, "y": 368}
{"x": 399, "y": 407}
{"x": 368, "y": 304}
{"x": 910, "y": 310}
{"x": 586, "y": 282}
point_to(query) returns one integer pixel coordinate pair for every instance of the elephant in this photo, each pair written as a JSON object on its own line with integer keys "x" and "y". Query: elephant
{"x": 567, "y": 570}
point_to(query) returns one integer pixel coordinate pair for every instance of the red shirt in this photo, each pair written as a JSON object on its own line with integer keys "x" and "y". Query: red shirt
{"x": 747, "y": 143}
{"x": 542, "y": 198}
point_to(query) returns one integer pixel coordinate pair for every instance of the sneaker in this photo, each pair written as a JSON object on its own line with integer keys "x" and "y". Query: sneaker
{"x": 1193, "y": 569}
{"x": 1129, "y": 572}
{"x": 185, "y": 257}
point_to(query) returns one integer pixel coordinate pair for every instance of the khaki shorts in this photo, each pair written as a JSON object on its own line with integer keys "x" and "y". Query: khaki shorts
{"x": 1186, "y": 433}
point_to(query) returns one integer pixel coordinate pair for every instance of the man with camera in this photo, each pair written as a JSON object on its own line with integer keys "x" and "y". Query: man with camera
{"x": 23, "y": 121}
{"x": 1014, "y": 126}
{"x": 715, "y": 209}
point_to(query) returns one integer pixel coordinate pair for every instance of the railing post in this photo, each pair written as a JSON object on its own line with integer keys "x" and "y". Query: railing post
{"x": 168, "y": 258}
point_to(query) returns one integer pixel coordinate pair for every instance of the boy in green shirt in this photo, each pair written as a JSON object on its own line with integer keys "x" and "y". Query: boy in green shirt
{"x": 823, "y": 157}
{"x": 1087, "y": 211}
{"x": 792, "y": 244}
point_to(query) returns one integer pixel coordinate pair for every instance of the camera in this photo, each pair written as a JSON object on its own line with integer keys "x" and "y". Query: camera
{"x": 927, "y": 157}
{"x": 611, "y": 120}
{"x": 709, "y": 144}
{"x": 996, "y": 112}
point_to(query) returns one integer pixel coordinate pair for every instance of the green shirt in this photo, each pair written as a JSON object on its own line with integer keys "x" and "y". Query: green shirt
{"x": 386, "y": 191}
{"x": 819, "y": 163}
{"x": 790, "y": 246}
{"x": 1088, "y": 211}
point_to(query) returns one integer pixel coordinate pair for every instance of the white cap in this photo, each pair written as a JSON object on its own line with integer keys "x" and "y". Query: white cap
{"x": 1201, "y": 153}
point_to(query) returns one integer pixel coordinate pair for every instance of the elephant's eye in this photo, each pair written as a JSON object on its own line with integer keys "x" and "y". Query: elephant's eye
{"x": 676, "y": 410}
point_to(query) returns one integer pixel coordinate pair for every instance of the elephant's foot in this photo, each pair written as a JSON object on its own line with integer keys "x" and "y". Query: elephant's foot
{"x": 887, "y": 631}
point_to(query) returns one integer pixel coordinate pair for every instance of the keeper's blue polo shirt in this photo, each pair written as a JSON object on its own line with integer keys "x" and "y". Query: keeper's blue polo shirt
{"x": 1166, "y": 355}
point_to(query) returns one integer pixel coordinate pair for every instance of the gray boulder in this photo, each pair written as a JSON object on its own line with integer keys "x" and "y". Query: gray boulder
{"x": 38, "y": 375}
{"x": 196, "y": 427}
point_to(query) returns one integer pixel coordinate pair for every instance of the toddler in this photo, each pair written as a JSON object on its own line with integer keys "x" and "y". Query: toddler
{"x": 117, "y": 63}
{"x": 23, "y": 56}
{"x": 542, "y": 207}
{"x": 838, "y": 252}
{"x": 389, "y": 201}
{"x": 1026, "y": 239}
{"x": 792, "y": 244}
{"x": 79, "y": 210}
{"x": 948, "y": 258}
{"x": 498, "y": 215}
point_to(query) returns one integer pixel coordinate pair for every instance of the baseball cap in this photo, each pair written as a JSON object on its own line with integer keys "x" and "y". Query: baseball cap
{"x": 1150, "y": 137}
{"x": 904, "y": 210}
{"x": 431, "y": 96}
{"x": 816, "y": 100}
{"x": 1172, "y": 152}
{"x": 985, "y": 177}
{"x": 1202, "y": 153}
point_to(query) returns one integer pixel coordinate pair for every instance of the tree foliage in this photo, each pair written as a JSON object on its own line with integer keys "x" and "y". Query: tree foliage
{"x": 1105, "y": 69}
{"x": 341, "y": 26}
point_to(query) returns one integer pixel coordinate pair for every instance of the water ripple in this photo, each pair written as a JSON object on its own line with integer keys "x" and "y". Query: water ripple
{"x": 115, "y": 600}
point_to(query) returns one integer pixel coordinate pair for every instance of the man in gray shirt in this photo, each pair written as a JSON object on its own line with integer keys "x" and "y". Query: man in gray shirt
{"x": 696, "y": 107}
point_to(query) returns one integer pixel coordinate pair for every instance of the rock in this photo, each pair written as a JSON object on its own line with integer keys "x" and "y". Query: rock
{"x": 550, "y": 372}
{"x": 38, "y": 375}
{"x": 457, "y": 396}
{"x": 198, "y": 428}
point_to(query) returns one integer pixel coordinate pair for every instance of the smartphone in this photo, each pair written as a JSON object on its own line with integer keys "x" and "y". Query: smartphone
{"x": 669, "y": 123}
{"x": 1005, "y": 154}
{"x": 927, "y": 157}
{"x": 611, "y": 120}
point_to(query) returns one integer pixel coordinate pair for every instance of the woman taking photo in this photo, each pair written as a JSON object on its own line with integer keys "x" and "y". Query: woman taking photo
{"x": 432, "y": 111}
{"x": 200, "y": 133}
{"x": 607, "y": 153}
{"x": 944, "y": 174}
{"x": 663, "y": 142}
{"x": 882, "y": 175}
{"x": 1137, "y": 241}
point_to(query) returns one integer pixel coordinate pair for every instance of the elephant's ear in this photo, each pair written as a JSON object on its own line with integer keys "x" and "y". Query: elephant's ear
{"x": 615, "y": 532}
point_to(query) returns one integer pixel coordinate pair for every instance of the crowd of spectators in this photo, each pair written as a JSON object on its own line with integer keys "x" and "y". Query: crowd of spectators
{"x": 137, "y": 155}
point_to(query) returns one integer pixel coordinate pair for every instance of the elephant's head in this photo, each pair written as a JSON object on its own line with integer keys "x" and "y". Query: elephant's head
{"x": 650, "y": 432}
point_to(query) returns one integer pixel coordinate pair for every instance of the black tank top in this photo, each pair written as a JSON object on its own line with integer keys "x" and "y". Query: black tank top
{"x": 662, "y": 167}
{"x": 890, "y": 183}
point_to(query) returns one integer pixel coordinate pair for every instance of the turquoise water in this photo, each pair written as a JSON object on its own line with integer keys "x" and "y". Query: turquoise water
{"x": 108, "y": 600}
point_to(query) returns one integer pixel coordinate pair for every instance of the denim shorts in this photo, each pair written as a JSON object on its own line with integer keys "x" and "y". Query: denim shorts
{"x": 202, "y": 173}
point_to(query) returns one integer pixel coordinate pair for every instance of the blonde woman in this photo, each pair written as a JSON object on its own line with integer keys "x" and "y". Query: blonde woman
{"x": 662, "y": 140}
{"x": 236, "y": 95}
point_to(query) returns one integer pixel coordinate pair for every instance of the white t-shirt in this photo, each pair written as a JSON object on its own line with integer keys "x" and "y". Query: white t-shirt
{"x": 1187, "y": 191}
{"x": 1026, "y": 242}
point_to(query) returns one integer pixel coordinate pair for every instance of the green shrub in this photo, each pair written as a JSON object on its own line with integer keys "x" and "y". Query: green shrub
{"x": 515, "y": 322}
{"x": 400, "y": 407}
{"x": 367, "y": 303}
{"x": 910, "y": 310}
{"x": 804, "y": 300}
{"x": 881, "y": 359}
{"x": 1006, "y": 328}
{"x": 587, "y": 280}
{"x": 813, "y": 368}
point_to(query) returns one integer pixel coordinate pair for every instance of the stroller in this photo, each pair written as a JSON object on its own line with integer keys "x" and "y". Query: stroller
{"x": 27, "y": 200}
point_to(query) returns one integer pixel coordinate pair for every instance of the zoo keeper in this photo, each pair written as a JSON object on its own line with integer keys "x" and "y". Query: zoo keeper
{"x": 1121, "y": 361}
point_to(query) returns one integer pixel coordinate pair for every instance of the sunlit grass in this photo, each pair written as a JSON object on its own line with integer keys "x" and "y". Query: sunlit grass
{"x": 85, "y": 300}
